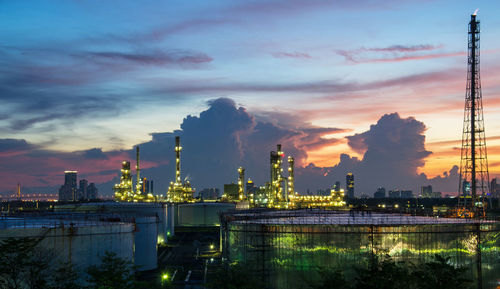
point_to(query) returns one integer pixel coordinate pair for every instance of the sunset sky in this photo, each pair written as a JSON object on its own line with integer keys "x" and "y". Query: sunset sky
{"x": 83, "y": 82}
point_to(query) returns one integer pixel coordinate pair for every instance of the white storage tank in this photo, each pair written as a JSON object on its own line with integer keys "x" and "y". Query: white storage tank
{"x": 145, "y": 249}
{"x": 77, "y": 241}
{"x": 201, "y": 214}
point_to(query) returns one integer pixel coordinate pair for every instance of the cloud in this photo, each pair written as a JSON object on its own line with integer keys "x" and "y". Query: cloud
{"x": 395, "y": 53}
{"x": 393, "y": 150}
{"x": 215, "y": 143}
{"x": 161, "y": 58}
{"x": 225, "y": 136}
{"x": 404, "y": 48}
{"x": 291, "y": 55}
{"x": 8, "y": 145}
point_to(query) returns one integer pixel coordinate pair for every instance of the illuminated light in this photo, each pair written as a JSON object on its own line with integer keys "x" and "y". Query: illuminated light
{"x": 164, "y": 276}
{"x": 212, "y": 246}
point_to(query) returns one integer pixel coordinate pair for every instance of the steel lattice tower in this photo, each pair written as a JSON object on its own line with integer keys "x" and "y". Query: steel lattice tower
{"x": 474, "y": 176}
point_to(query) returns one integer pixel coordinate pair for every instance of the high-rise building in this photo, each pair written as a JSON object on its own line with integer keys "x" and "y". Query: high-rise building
{"x": 349, "y": 185}
{"x": 426, "y": 191}
{"x": 408, "y": 194}
{"x": 336, "y": 187}
{"x": 92, "y": 192}
{"x": 380, "y": 193}
{"x": 82, "y": 190}
{"x": 495, "y": 188}
{"x": 68, "y": 191}
{"x": 394, "y": 194}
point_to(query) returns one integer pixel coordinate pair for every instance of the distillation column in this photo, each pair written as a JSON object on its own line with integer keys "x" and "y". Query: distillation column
{"x": 178, "y": 149}
{"x": 241, "y": 183}
{"x": 276, "y": 186}
{"x": 291, "y": 181}
{"x": 138, "y": 185}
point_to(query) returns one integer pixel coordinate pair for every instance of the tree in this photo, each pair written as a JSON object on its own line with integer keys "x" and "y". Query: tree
{"x": 65, "y": 277}
{"x": 112, "y": 273}
{"x": 439, "y": 273}
{"x": 22, "y": 264}
{"x": 383, "y": 273}
{"x": 235, "y": 277}
{"x": 331, "y": 279}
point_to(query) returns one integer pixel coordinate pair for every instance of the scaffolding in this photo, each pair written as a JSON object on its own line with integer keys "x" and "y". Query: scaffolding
{"x": 286, "y": 248}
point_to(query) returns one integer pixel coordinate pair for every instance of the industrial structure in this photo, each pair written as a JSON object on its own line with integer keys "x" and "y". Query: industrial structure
{"x": 287, "y": 248}
{"x": 179, "y": 191}
{"x": 123, "y": 190}
{"x": 291, "y": 176}
{"x": 335, "y": 199}
{"x": 241, "y": 184}
{"x": 474, "y": 176}
{"x": 280, "y": 192}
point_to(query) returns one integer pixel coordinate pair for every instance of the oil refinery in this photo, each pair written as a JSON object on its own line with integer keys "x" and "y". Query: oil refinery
{"x": 278, "y": 193}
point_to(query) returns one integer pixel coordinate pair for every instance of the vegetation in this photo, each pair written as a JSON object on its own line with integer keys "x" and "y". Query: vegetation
{"x": 385, "y": 273}
{"x": 235, "y": 276}
{"x": 24, "y": 266}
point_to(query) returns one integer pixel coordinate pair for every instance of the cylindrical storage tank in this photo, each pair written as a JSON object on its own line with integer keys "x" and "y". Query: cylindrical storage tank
{"x": 201, "y": 214}
{"x": 80, "y": 242}
{"x": 287, "y": 248}
{"x": 171, "y": 219}
{"x": 145, "y": 253}
{"x": 127, "y": 210}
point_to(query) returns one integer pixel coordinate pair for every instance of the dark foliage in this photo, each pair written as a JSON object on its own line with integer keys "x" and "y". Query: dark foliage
{"x": 235, "y": 276}
{"x": 112, "y": 273}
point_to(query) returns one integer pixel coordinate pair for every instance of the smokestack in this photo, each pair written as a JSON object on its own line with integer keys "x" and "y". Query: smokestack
{"x": 241, "y": 181}
{"x": 138, "y": 170}
{"x": 178, "y": 149}
{"x": 291, "y": 176}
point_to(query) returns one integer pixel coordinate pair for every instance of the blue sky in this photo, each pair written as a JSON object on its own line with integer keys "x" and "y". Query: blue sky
{"x": 78, "y": 75}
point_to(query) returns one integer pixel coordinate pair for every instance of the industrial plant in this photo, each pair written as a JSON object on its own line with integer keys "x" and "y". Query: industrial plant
{"x": 282, "y": 236}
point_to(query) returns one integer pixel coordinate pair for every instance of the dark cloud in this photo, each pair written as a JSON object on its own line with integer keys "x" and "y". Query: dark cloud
{"x": 8, "y": 145}
{"x": 95, "y": 153}
{"x": 393, "y": 150}
{"x": 224, "y": 136}
{"x": 161, "y": 58}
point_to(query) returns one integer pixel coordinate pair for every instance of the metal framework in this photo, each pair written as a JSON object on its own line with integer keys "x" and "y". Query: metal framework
{"x": 286, "y": 248}
{"x": 474, "y": 176}
{"x": 179, "y": 191}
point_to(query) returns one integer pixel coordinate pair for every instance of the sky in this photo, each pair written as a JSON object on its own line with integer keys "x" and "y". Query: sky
{"x": 372, "y": 87}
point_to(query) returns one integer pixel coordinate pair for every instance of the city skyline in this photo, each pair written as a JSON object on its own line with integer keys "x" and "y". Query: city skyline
{"x": 81, "y": 96}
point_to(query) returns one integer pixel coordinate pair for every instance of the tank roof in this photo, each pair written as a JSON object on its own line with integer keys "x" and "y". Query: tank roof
{"x": 307, "y": 217}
